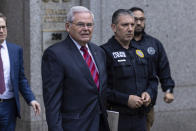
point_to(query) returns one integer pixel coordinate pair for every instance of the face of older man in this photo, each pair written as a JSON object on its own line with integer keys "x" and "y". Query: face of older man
{"x": 3, "y": 30}
{"x": 81, "y": 28}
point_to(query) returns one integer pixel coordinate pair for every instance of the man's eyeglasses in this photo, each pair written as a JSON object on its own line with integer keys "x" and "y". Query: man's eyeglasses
{"x": 140, "y": 19}
{"x": 3, "y": 27}
{"x": 82, "y": 25}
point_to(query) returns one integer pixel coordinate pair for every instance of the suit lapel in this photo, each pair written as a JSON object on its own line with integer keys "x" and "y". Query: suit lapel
{"x": 81, "y": 64}
{"x": 11, "y": 57}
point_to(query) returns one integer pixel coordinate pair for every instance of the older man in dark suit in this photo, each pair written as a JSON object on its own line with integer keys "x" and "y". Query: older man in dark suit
{"x": 74, "y": 79}
{"x": 12, "y": 80}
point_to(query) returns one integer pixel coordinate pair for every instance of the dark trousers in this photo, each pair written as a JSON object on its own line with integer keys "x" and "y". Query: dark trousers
{"x": 103, "y": 123}
{"x": 132, "y": 122}
{"x": 150, "y": 119}
{"x": 8, "y": 115}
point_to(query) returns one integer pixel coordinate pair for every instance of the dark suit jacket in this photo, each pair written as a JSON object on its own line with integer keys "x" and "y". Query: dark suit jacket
{"x": 17, "y": 76}
{"x": 72, "y": 100}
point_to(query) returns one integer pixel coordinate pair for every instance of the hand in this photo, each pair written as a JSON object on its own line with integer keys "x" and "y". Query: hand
{"x": 146, "y": 98}
{"x": 134, "y": 101}
{"x": 169, "y": 97}
{"x": 36, "y": 107}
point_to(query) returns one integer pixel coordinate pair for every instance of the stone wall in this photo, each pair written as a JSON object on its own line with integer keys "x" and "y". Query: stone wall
{"x": 172, "y": 22}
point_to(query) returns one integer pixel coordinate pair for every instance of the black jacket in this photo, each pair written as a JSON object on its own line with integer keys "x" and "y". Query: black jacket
{"x": 154, "y": 50}
{"x": 128, "y": 74}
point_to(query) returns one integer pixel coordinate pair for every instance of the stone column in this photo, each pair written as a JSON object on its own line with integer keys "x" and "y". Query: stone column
{"x": 17, "y": 13}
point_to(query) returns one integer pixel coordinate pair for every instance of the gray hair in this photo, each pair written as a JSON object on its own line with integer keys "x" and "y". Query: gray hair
{"x": 76, "y": 9}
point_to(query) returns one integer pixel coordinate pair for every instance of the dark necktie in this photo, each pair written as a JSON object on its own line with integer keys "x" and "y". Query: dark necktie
{"x": 91, "y": 65}
{"x": 2, "y": 82}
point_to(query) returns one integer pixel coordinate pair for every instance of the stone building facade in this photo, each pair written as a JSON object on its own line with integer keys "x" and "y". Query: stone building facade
{"x": 36, "y": 24}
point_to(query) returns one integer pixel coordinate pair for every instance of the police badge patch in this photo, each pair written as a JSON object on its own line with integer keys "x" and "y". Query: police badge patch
{"x": 140, "y": 53}
{"x": 151, "y": 51}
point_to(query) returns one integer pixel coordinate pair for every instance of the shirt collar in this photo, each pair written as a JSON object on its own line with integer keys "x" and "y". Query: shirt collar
{"x": 117, "y": 45}
{"x": 78, "y": 45}
{"x": 4, "y": 44}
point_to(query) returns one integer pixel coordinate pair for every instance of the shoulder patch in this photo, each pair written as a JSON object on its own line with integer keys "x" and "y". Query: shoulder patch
{"x": 151, "y": 50}
{"x": 140, "y": 53}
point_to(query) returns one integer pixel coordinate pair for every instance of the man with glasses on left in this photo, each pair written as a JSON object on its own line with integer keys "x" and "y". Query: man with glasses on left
{"x": 12, "y": 80}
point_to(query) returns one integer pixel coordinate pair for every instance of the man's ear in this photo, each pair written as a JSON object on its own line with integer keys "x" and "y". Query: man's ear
{"x": 113, "y": 26}
{"x": 67, "y": 26}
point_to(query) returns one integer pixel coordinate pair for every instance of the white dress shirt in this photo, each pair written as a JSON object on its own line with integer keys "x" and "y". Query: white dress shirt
{"x": 6, "y": 69}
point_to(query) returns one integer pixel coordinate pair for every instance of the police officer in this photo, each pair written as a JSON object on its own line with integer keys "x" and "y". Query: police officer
{"x": 153, "y": 50}
{"x": 131, "y": 86}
